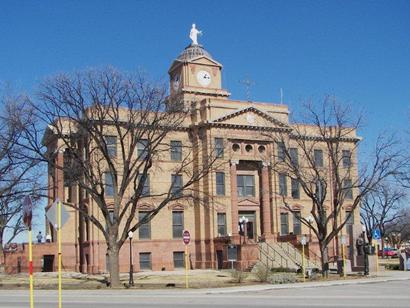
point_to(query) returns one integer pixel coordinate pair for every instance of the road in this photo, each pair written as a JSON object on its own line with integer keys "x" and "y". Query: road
{"x": 381, "y": 294}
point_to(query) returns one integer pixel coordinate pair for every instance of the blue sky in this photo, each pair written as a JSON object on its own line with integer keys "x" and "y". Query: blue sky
{"x": 356, "y": 50}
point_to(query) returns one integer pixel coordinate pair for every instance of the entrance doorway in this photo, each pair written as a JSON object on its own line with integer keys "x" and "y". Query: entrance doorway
{"x": 48, "y": 265}
{"x": 251, "y": 225}
{"x": 220, "y": 258}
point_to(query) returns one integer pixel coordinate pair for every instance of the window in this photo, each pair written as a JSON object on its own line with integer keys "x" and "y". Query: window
{"x": 284, "y": 223}
{"x": 347, "y": 187}
{"x": 295, "y": 189}
{"x": 220, "y": 184}
{"x": 110, "y": 217}
{"x": 349, "y": 220}
{"x": 177, "y": 224}
{"x": 283, "y": 188}
{"x": 144, "y": 231}
{"x": 146, "y": 186}
{"x": 142, "y": 149}
{"x": 346, "y": 158}
{"x": 318, "y": 156}
{"x": 297, "y": 226}
{"x": 109, "y": 184}
{"x": 294, "y": 159}
{"x": 179, "y": 259}
{"x": 221, "y": 223}
{"x": 111, "y": 142}
{"x": 176, "y": 150}
{"x": 281, "y": 151}
{"x": 176, "y": 185}
{"x": 320, "y": 190}
{"x": 145, "y": 261}
{"x": 246, "y": 185}
{"x": 219, "y": 147}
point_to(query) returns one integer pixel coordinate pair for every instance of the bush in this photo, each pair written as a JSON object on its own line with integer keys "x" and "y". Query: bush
{"x": 261, "y": 272}
{"x": 281, "y": 278}
{"x": 392, "y": 267}
{"x": 282, "y": 270}
{"x": 238, "y": 276}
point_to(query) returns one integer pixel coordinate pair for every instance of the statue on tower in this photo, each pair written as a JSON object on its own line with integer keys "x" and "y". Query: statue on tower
{"x": 193, "y": 35}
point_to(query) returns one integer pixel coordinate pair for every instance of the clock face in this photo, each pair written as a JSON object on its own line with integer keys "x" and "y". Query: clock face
{"x": 176, "y": 82}
{"x": 204, "y": 78}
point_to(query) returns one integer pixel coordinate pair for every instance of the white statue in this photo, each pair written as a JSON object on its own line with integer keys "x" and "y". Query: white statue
{"x": 193, "y": 35}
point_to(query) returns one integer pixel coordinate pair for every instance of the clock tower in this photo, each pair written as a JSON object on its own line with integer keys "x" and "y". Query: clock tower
{"x": 195, "y": 74}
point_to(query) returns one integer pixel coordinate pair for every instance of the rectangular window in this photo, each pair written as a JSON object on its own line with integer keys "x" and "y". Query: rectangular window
{"x": 144, "y": 230}
{"x": 348, "y": 189}
{"x": 176, "y": 185}
{"x": 295, "y": 189}
{"x": 221, "y": 224}
{"x": 293, "y": 153}
{"x": 220, "y": 184}
{"x": 142, "y": 149}
{"x": 297, "y": 225}
{"x": 146, "y": 186}
{"x": 145, "y": 261}
{"x": 111, "y": 142}
{"x": 219, "y": 147}
{"x": 320, "y": 190}
{"x": 179, "y": 259}
{"x": 177, "y": 224}
{"x": 284, "y": 223}
{"x": 176, "y": 150}
{"x": 283, "y": 188}
{"x": 110, "y": 217}
{"x": 281, "y": 151}
{"x": 246, "y": 185}
{"x": 349, "y": 220}
{"x": 347, "y": 158}
{"x": 318, "y": 156}
{"x": 109, "y": 184}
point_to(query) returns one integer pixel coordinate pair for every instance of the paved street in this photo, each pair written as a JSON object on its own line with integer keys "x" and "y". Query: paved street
{"x": 381, "y": 294}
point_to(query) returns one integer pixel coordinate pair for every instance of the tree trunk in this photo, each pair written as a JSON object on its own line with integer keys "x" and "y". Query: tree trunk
{"x": 114, "y": 265}
{"x": 324, "y": 258}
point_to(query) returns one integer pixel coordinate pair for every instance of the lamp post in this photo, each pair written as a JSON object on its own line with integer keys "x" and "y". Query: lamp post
{"x": 131, "y": 279}
{"x": 310, "y": 220}
{"x": 303, "y": 242}
{"x": 365, "y": 258}
{"x": 242, "y": 225}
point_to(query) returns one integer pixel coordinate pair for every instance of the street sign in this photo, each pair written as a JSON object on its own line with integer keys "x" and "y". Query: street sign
{"x": 376, "y": 234}
{"x": 343, "y": 239}
{"x": 232, "y": 253}
{"x": 27, "y": 211}
{"x": 303, "y": 240}
{"x": 51, "y": 214}
{"x": 186, "y": 237}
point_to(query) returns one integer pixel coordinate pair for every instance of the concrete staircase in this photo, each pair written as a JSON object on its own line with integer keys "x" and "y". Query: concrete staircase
{"x": 283, "y": 254}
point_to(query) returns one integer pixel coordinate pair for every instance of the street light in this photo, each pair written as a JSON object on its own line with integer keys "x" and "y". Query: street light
{"x": 365, "y": 257}
{"x": 131, "y": 279}
{"x": 310, "y": 220}
{"x": 242, "y": 223}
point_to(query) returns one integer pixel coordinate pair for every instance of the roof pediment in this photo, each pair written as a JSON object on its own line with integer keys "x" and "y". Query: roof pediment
{"x": 250, "y": 117}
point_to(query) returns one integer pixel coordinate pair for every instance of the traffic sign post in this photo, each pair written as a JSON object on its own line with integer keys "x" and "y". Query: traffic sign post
{"x": 27, "y": 217}
{"x": 303, "y": 242}
{"x": 343, "y": 240}
{"x": 186, "y": 237}
{"x": 376, "y": 235}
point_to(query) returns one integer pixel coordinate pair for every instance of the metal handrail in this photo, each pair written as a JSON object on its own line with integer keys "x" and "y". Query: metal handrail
{"x": 278, "y": 253}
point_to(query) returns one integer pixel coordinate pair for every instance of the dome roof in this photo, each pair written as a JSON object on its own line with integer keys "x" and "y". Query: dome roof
{"x": 193, "y": 51}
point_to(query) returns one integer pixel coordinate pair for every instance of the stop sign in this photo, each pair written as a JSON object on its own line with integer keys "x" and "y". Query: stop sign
{"x": 186, "y": 237}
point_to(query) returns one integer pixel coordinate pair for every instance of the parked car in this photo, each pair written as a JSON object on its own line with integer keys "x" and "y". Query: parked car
{"x": 389, "y": 252}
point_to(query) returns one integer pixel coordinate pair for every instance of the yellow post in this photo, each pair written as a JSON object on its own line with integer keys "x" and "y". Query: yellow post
{"x": 30, "y": 266}
{"x": 377, "y": 258}
{"x": 303, "y": 263}
{"x": 186, "y": 266}
{"x": 344, "y": 260}
{"x": 60, "y": 304}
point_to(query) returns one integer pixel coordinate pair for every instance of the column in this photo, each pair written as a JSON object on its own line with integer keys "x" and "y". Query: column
{"x": 234, "y": 199}
{"x": 266, "y": 210}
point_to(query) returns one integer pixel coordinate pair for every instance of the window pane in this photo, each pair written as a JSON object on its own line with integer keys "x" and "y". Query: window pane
{"x": 284, "y": 223}
{"x": 295, "y": 189}
{"x": 145, "y": 261}
{"x": 349, "y": 220}
{"x": 219, "y": 147}
{"x": 283, "y": 189}
{"x": 176, "y": 150}
{"x": 346, "y": 158}
{"x": 146, "y": 187}
{"x": 142, "y": 150}
{"x": 145, "y": 229}
{"x": 281, "y": 151}
{"x": 220, "y": 183}
{"x": 293, "y": 152}
{"x": 221, "y": 223}
{"x": 177, "y": 224}
{"x": 176, "y": 185}
{"x": 347, "y": 187}
{"x": 296, "y": 223}
{"x": 109, "y": 185}
{"x": 318, "y": 156}
{"x": 179, "y": 259}
{"x": 246, "y": 185}
{"x": 111, "y": 142}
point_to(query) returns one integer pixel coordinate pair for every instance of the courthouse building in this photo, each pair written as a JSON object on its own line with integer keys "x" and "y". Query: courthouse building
{"x": 244, "y": 187}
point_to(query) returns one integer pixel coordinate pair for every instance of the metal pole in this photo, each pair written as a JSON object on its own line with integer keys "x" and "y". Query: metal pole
{"x": 344, "y": 260}
{"x": 186, "y": 266}
{"x": 366, "y": 260}
{"x": 303, "y": 263}
{"x": 131, "y": 278}
{"x": 60, "y": 299}
{"x": 377, "y": 258}
{"x": 30, "y": 265}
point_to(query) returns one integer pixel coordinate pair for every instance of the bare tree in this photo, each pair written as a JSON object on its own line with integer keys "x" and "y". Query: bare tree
{"x": 399, "y": 231}
{"x": 325, "y": 167}
{"x": 382, "y": 208}
{"x": 18, "y": 175}
{"x": 113, "y": 129}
